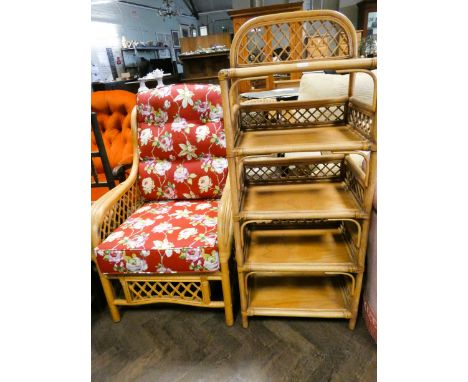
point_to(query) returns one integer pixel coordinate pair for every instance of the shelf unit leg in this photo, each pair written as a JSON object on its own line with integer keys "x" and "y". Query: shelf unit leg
{"x": 355, "y": 300}
{"x": 243, "y": 299}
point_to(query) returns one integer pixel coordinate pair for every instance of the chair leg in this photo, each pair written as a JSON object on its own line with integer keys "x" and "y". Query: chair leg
{"x": 227, "y": 294}
{"x": 110, "y": 297}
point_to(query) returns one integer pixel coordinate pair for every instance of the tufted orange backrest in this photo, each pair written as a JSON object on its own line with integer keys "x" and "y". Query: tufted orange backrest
{"x": 113, "y": 110}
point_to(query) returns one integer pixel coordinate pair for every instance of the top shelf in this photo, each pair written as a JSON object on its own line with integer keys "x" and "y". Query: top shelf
{"x": 339, "y": 124}
{"x": 327, "y": 138}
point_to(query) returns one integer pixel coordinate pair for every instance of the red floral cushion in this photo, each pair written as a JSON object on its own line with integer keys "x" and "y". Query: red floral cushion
{"x": 181, "y": 141}
{"x": 182, "y": 179}
{"x": 199, "y": 103}
{"x": 164, "y": 237}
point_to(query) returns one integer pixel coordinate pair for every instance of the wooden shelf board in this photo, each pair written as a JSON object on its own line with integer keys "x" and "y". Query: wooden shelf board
{"x": 327, "y": 138}
{"x": 212, "y": 54}
{"x": 306, "y": 200}
{"x": 298, "y": 250}
{"x": 297, "y": 296}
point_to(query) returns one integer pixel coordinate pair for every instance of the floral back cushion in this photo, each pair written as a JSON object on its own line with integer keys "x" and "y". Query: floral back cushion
{"x": 181, "y": 142}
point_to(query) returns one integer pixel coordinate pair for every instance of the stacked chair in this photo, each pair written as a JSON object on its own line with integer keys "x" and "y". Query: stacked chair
{"x": 301, "y": 205}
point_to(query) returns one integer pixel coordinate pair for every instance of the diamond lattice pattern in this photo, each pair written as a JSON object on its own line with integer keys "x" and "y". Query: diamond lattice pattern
{"x": 293, "y": 173}
{"x": 294, "y": 41}
{"x": 143, "y": 290}
{"x": 291, "y": 118}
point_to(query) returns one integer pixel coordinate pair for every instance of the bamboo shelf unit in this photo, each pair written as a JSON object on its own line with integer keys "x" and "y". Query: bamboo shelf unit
{"x": 301, "y": 204}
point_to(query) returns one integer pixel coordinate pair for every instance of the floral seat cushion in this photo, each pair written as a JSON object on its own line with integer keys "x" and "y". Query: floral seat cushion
{"x": 164, "y": 237}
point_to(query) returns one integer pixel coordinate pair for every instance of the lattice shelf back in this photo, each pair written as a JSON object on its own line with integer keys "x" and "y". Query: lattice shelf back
{"x": 354, "y": 186}
{"x": 294, "y": 37}
{"x": 290, "y": 117}
{"x": 293, "y": 173}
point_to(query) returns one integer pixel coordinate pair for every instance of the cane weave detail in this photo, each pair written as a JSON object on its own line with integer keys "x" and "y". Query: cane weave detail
{"x": 273, "y": 42}
{"x": 290, "y": 118}
{"x": 346, "y": 289}
{"x": 293, "y": 223}
{"x": 354, "y": 186}
{"x": 352, "y": 245}
{"x": 296, "y": 173}
{"x": 129, "y": 202}
{"x": 170, "y": 290}
{"x": 360, "y": 121}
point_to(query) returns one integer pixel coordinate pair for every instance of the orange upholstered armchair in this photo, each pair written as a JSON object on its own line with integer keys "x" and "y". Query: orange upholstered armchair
{"x": 113, "y": 109}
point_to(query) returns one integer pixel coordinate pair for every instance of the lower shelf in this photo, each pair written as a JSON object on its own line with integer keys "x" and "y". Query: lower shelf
{"x": 299, "y": 296}
{"x": 323, "y": 249}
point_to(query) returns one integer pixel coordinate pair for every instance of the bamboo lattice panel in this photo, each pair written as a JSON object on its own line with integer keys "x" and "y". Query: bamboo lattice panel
{"x": 297, "y": 173}
{"x": 141, "y": 290}
{"x": 361, "y": 120}
{"x": 290, "y": 117}
{"x": 293, "y": 38}
{"x": 354, "y": 186}
{"x": 124, "y": 207}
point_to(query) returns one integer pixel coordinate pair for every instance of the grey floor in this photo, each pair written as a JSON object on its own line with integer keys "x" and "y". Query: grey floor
{"x": 174, "y": 343}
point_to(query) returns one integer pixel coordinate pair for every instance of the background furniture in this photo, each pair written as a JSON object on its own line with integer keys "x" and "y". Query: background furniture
{"x": 190, "y": 44}
{"x": 159, "y": 58}
{"x": 366, "y": 7}
{"x": 132, "y": 85}
{"x": 165, "y": 234}
{"x": 203, "y": 67}
{"x": 112, "y": 109}
{"x": 301, "y": 205}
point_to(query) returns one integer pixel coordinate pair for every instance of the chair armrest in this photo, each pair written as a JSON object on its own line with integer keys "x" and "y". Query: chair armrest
{"x": 114, "y": 207}
{"x": 225, "y": 231}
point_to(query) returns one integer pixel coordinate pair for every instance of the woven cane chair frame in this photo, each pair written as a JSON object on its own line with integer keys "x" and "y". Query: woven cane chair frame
{"x": 193, "y": 289}
{"x": 256, "y": 133}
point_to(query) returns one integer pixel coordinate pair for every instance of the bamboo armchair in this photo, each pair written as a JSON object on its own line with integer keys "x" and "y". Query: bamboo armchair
{"x": 133, "y": 288}
{"x": 300, "y": 222}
